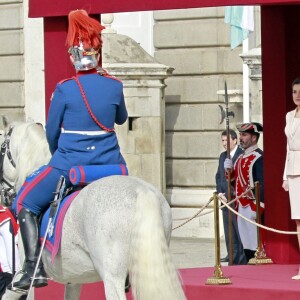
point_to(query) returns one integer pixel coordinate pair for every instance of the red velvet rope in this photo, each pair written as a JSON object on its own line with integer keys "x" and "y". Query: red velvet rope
{"x": 89, "y": 108}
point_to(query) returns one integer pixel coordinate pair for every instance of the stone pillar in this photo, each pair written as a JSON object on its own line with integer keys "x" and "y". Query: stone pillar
{"x": 142, "y": 138}
{"x": 253, "y": 59}
{"x": 12, "y": 60}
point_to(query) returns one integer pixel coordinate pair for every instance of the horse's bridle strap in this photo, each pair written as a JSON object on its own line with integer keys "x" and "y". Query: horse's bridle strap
{"x": 7, "y": 193}
{"x": 6, "y": 145}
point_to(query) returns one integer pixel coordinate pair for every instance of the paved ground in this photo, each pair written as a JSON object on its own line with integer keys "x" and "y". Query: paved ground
{"x": 195, "y": 253}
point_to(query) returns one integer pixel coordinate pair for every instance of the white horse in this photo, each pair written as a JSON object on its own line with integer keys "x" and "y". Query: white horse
{"x": 116, "y": 226}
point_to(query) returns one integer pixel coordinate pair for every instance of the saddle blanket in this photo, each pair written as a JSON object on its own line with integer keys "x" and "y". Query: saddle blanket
{"x": 79, "y": 175}
{"x": 53, "y": 241}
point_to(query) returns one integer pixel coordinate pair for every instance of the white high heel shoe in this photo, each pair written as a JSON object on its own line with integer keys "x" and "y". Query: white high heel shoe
{"x": 296, "y": 277}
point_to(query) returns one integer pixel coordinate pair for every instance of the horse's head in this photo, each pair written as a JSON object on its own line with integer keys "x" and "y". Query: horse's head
{"x": 24, "y": 150}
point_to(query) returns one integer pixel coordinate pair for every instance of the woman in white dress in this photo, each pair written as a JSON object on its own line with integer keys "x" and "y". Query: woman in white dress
{"x": 291, "y": 176}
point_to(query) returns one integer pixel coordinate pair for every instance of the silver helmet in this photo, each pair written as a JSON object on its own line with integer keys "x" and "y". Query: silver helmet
{"x": 84, "y": 60}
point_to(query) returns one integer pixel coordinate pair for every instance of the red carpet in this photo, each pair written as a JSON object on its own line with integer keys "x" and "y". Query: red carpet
{"x": 261, "y": 282}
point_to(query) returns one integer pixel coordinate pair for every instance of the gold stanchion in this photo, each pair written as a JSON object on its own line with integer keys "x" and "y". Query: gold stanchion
{"x": 230, "y": 263}
{"x": 260, "y": 254}
{"x": 218, "y": 277}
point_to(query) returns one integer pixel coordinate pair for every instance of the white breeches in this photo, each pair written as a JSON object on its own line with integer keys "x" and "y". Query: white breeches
{"x": 248, "y": 231}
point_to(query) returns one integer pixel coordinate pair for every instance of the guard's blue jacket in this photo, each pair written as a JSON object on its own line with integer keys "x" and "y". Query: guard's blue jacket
{"x": 68, "y": 111}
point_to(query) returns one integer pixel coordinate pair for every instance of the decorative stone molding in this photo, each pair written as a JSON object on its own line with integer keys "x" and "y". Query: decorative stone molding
{"x": 253, "y": 59}
{"x": 107, "y": 20}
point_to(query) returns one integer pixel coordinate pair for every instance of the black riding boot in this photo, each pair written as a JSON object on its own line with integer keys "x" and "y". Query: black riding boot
{"x": 29, "y": 228}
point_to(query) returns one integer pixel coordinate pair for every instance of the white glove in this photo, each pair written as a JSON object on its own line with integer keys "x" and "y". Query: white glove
{"x": 228, "y": 164}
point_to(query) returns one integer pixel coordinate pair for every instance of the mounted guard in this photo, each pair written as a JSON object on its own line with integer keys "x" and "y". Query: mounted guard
{"x": 79, "y": 130}
{"x": 117, "y": 225}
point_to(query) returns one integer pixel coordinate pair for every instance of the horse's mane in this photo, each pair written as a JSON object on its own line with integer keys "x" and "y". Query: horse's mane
{"x": 29, "y": 148}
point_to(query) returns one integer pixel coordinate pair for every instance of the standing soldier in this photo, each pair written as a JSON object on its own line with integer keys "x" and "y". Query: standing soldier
{"x": 248, "y": 169}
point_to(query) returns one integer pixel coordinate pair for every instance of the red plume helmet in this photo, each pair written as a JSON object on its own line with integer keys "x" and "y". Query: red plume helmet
{"x": 84, "y": 39}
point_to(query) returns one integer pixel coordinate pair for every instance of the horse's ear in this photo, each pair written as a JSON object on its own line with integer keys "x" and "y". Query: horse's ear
{"x": 40, "y": 124}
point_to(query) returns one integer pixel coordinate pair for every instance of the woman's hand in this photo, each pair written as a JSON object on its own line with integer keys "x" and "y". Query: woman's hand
{"x": 285, "y": 185}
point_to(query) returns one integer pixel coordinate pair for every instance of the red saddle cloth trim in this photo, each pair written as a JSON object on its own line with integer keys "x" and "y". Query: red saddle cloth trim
{"x": 52, "y": 243}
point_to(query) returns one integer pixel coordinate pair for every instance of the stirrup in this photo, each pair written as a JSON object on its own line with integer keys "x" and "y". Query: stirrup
{"x": 14, "y": 289}
{"x": 17, "y": 278}
{"x": 18, "y": 291}
{"x": 39, "y": 282}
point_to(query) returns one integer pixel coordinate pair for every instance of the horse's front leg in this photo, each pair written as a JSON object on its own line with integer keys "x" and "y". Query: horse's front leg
{"x": 72, "y": 291}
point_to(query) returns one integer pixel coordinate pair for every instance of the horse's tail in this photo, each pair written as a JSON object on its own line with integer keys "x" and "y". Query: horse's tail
{"x": 152, "y": 273}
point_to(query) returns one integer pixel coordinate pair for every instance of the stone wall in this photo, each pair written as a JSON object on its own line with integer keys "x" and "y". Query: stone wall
{"x": 142, "y": 137}
{"x": 181, "y": 121}
{"x": 196, "y": 43}
{"x": 11, "y": 59}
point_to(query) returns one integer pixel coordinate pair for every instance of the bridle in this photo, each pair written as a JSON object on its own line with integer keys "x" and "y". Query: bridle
{"x": 7, "y": 191}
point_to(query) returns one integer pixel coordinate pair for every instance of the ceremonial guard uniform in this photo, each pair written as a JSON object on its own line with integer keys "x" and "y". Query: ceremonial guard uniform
{"x": 70, "y": 128}
{"x": 247, "y": 170}
{"x": 79, "y": 130}
{"x": 5, "y": 216}
{"x": 8, "y": 226}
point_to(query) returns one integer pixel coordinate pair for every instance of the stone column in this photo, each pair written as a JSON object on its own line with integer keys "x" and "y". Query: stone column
{"x": 253, "y": 59}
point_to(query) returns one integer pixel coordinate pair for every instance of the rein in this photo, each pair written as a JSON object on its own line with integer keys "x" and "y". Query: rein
{"x": 7, "y": 192}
